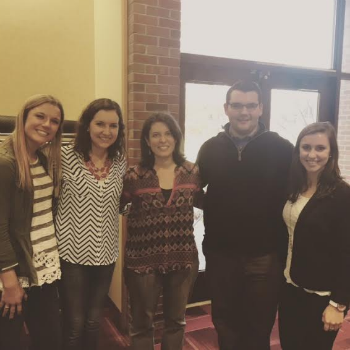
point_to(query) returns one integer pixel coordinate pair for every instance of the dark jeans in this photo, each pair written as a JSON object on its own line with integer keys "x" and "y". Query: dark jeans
{"x": 244, "y": 293}
{"x": 84, "y": 290}
{"x": 144, "y": 292}
{"x": 41, "y": 314}
{"x": 300, "y": 320}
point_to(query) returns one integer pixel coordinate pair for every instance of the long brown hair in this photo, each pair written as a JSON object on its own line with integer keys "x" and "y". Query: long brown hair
{"x": 52, "y": 150}
{"x": 330, "y": 175}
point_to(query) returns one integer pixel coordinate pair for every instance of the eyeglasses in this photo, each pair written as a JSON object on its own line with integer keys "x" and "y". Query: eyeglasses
{"x": 239, "y": 106}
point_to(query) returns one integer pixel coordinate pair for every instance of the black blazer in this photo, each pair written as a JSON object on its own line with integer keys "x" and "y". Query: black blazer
{"x": 321, "y": 247}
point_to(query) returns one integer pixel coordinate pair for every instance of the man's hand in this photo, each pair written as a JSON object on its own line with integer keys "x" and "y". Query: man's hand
{"x": 12, "y": 294}
{"x": 332, "y": 318}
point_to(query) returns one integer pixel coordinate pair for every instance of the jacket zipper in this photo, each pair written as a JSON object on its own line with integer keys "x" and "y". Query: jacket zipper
{"x": 239, "y": 153}
{"x": 240, "y": 150}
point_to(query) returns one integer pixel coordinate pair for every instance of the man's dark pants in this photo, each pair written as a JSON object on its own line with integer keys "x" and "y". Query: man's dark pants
{"x": 245, "y": 293}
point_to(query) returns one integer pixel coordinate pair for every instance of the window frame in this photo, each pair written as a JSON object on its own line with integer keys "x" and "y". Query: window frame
{"x": 219, "y": 70}
{"x": 203, "y": 69}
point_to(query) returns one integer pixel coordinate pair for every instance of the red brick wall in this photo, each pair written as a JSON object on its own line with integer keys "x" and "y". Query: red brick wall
{"x": 153, "y": 64}
{"x": 344, "y": 130}
{"x": 346, "y": 40}
{"x": 344, "y": 105}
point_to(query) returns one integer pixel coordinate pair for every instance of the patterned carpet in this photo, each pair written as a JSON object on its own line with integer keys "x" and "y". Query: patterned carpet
{"x": 201, "y": 335}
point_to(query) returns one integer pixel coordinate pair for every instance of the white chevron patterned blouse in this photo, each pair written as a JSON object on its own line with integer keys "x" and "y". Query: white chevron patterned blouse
{"x": 87, "y": 220}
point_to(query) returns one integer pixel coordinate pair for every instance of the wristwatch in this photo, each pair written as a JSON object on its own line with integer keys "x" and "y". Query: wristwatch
{"x": 339, "y": 307}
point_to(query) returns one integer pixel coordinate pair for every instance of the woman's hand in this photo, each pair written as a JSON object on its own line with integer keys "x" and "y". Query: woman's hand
{"x": 332, "y": 318}
{"x": 12, "y": 294}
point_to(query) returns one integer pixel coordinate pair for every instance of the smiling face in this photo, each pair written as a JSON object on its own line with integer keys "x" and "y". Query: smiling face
{"x": 243, "y": 111}
{"x": 41, "y": 125}
{"x": 103, "y": 130}
{"x": 314, "y": 152}
{"x": 161, "y": 141}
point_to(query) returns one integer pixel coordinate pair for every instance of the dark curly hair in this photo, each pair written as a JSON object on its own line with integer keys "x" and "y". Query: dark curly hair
{"x": 82, "y": 142}
{"x": 147, "y": 156}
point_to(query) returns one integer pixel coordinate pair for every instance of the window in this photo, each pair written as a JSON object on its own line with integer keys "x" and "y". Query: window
{"x": 291, "y": 48}
{"x": 298, "y": 32}
{"x": 205, "y": 116}
{"x": 292, "y": 110}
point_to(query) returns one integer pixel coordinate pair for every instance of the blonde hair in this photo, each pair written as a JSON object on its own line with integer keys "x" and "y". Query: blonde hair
{"x": 52, "y": 150}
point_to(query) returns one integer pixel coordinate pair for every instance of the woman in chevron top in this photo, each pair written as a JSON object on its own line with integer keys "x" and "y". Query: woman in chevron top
{"x": 29, "y": 261}
{"x": 161, "y": 253}
{"x": 87, "y": 219}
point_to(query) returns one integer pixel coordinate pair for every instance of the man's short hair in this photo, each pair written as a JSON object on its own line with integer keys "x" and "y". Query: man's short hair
{"x": 245, "y": 86}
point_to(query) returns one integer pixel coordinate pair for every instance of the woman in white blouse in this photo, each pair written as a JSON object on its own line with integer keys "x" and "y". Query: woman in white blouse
{"x": 87, "y": 219}
{"x": 317, "y": 291}
{"x": 29, "y": 261}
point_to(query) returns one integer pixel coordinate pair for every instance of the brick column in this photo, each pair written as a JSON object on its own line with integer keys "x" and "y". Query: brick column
{"x": 153, "y": 64}
{"x": 344, "y": 105}
{"x": 344, "y": 130}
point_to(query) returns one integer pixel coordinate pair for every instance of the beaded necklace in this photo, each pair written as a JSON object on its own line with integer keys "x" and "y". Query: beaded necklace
{"x": 99, "y": 173}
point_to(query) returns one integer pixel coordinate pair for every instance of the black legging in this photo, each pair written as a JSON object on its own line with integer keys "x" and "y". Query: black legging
{"x": 300, "y": 320}
{"x": 41, "y": 314}
{"x": 84, "y": 290}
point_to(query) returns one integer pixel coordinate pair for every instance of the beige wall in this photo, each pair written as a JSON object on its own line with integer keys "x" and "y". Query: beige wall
{"x": 47, "y": 47}
{"x": 110, "y": 36}
{"x": 72, "y": 49}
{"x": 109, "y": 48}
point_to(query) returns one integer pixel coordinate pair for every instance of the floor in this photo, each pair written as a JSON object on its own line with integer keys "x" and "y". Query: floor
{"x": 201, "y": 335}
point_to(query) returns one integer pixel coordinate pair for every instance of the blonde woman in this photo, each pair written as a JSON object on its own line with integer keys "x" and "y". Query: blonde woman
{"x": 29, "y": 262}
